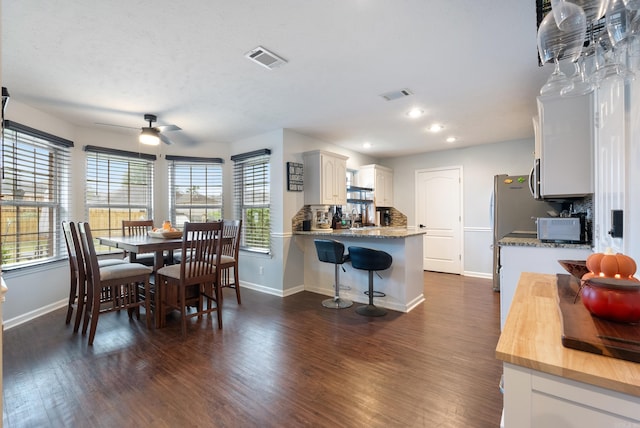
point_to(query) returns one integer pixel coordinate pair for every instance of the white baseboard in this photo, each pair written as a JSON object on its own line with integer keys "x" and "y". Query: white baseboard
{"x": 484, "y": 275}
{"x": 21, "y": 319}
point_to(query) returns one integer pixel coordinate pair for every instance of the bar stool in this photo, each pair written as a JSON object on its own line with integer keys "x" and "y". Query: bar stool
{"x": 372, "y": 261}
{"x": 330, "y": 251}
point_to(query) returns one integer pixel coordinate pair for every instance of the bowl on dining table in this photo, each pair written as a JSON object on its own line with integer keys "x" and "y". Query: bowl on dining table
{"x": 165, "y": 234}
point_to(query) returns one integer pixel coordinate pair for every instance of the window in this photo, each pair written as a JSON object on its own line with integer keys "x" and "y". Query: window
{"x": 195, "y": 189}
{"x": 119, "y": 187}
{"x": 35, "y": 190}
{"x": 251, "y": 180}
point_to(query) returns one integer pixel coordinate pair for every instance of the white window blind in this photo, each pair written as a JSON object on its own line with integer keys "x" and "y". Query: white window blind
{"x": 195, "y": 189}
{"x": 35, "y": 195}
{"x": 119, "y": 186}
{"x": 251, "y": 192}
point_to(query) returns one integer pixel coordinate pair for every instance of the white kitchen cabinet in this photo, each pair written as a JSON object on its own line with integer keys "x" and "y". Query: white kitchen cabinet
{"x": 325, "y": 178}
{"x": 515, "y": 259}
{"x": 535, "y": 399}
{"x": 380, "y": 179}
{"x": 567, "y": 142}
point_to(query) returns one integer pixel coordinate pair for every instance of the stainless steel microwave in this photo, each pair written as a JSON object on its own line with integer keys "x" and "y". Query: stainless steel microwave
{"x": 556, "y": 229}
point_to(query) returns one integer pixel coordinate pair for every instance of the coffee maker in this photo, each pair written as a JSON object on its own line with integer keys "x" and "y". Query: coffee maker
{"x": 321, "y": 218}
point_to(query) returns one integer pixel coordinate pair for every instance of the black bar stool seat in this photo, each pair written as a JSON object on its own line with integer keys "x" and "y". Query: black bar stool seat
{"x": 330, "y": 251}
{"x": 370, "y": 260}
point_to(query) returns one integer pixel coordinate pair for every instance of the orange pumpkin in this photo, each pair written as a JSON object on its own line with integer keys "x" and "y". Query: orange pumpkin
{"x": 610, "y": 265}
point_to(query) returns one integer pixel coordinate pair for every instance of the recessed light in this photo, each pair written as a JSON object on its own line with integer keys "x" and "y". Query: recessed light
{"x": 415, "y": 112}
{"x": 366, "y": 145}
{"x": 436, "y": 127}
{"x": 451, "y": 140}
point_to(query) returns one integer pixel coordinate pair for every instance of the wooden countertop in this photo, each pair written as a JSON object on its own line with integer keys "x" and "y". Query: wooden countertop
{"x": 532, "y": 338}
{"x": 366, "y": 232}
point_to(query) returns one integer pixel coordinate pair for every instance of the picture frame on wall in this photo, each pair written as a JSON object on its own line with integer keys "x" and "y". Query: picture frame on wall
{"x": 295, "y": 177}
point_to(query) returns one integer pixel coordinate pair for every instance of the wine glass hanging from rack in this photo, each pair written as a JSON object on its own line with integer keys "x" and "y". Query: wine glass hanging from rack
{"x": 595, "y": 20}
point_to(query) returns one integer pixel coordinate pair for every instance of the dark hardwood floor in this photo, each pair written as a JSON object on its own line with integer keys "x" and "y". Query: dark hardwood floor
{"x": 276, "y": 363}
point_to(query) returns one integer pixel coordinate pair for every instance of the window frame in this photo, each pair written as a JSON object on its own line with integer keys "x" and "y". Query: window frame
{"x": 256, "y": 167}
{"x": 214, "y": 188}
{"x": 48, "y": 177}
{"x": 132, "y": 160}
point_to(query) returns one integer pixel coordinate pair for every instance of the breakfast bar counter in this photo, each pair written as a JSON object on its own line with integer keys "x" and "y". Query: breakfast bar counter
{"x": 402, "y": 283}
{"x": 547, "y": 384}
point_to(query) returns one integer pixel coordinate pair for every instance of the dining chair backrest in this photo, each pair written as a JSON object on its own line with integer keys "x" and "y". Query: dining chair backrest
{"x": 136, "y": 227}
{"x": 203, "y": 243}
{"x": 76, "y": 271}
{"x": 116, "y": 285}
{"x": 231, "y": 233}
{"x": 92, "y": 269}
{"x": 74, "y": 249}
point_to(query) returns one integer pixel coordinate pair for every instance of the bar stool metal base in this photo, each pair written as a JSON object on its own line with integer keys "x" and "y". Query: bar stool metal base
{"x": 337, "y": 303}
{"x": 370, "y": 311}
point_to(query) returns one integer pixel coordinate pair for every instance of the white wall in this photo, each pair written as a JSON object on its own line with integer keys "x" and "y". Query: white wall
{"x": 480, "y": 164}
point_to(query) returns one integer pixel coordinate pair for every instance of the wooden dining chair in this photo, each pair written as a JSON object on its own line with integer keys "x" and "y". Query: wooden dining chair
{"x": 77, "y": 274}
{"x": 232, "y": 230}
{"x": 196, "y": 278}
{"x": 111, "y": 288}
{"x": 138, "y": 228}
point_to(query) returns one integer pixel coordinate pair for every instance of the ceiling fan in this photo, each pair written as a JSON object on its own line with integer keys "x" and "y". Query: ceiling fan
{"x": 151, "y": 135}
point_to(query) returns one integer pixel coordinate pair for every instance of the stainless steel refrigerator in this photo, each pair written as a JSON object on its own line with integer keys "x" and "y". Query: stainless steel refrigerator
{"x": 514, "y": 212}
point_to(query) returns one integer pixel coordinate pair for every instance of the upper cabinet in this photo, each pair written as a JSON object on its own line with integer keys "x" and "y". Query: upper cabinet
{"x": 566, "y": 145}
{"x": 325, "y": 178}
{"x": 380, "y": 178}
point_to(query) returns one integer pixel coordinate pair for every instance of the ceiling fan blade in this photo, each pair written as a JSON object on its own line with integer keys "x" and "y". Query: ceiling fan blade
{"x": 117, "y": 126}
{"x": 164, "y": 139}
{"x": 163, "y": 128}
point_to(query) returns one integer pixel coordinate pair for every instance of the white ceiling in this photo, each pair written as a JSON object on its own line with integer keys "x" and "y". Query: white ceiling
{"x": 471, "y": 65}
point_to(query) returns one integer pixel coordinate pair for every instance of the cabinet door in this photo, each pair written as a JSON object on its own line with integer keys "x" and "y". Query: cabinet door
{"x": 340, "y": 182}
{"x": 566, "y": 146}
{"x": 384, "y": 188}
{"x": 328, "y": 180}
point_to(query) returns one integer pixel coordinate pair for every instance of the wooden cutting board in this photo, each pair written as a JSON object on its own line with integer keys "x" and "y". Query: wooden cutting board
{"x": 582, "y": 331}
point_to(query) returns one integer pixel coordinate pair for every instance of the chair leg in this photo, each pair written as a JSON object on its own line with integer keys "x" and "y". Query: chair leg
{"x": 218, "y": 292}
{"x": 183, "y": 309}
{"x": 95, "y": 313}
{"x": 73, "y": 290}
{"x": 336, "y": 302}
{"x": 80, "y": 307}
{"x": 370, "y": 310}
{"x": 147, "y": 302}
{"x": 236, "y": 284}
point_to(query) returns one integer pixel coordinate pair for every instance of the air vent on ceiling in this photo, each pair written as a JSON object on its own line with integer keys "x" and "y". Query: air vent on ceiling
{"x": 394, "y": 95}
{"x": 265, "y": 58}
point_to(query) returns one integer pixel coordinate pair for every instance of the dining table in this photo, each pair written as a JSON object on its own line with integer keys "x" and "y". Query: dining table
{"x": 140, "y": 244}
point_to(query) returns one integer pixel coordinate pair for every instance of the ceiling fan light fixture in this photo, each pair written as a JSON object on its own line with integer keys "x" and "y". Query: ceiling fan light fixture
{"x": 149, "y": 136}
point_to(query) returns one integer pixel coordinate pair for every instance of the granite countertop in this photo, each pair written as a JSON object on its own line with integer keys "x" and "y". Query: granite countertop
{"x": 535, "y": 242}
{"x": 366, "y": 232}
{"x": 528, "y": 342}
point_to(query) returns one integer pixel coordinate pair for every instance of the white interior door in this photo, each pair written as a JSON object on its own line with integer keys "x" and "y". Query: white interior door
{"x": 439, "y": 210}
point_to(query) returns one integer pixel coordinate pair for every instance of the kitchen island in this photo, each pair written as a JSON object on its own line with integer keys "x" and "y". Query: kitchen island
{"x": 548, "y": 385}
{"x": 402, "y": 283}
{"x": 518, "y": 254}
